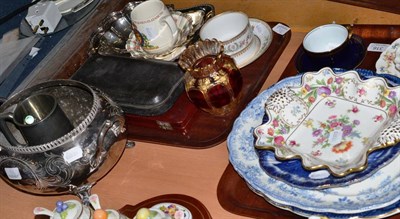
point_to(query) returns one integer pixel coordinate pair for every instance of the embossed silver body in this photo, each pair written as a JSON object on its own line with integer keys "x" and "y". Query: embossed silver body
{"x": 80, "y": 157}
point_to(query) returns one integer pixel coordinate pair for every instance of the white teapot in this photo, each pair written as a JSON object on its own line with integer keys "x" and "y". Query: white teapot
{"x": 70, "y": 209}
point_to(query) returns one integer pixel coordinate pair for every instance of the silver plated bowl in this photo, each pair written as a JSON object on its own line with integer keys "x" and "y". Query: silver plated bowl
{"x": 46, "y": 169}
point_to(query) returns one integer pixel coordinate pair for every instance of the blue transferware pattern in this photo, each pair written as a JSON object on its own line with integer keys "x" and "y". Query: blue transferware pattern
{"x": 293, "y": 173}
{"x": 380, "y": 190}
{"x": 376, "y": 213}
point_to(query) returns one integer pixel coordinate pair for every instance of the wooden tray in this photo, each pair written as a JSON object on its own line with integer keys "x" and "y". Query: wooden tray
{"x": 382, "y": 5}
{"x": 198, "y": 129}
{"x": 198, "y": 210}
{"x": 204, "y": 130}
{"x": 233, "y": 193}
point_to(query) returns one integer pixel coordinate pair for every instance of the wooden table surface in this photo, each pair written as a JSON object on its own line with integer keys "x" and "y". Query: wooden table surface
{"x": 149, "y": 170}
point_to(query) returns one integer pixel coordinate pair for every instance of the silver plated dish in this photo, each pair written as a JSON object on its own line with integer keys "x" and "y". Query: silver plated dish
{"x": 115, "y": 34}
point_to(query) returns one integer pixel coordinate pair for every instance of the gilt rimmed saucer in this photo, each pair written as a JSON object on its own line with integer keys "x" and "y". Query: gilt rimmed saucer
{"x": 388, "y": 60}
{"x": 260, "y": 43}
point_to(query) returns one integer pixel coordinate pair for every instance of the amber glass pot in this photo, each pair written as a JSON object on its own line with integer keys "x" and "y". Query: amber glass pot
{"x": 212, "y": 80}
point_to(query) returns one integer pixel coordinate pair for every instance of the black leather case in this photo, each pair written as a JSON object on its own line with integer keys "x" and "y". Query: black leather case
{"x": 138, "y": 86}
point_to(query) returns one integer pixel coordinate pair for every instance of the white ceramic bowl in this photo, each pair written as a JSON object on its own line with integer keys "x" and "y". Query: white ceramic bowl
{"x": 326, "y": 39}
{"x": 232, "y": 28}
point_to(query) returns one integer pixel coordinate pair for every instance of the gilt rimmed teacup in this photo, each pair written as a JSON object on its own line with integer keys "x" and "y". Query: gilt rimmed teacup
{"x": 155, "y": 26}
{"x": 326, "y": 40}
{"x": 231, "y": 28}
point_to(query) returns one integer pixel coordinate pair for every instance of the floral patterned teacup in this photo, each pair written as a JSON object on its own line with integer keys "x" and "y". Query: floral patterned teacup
{"x": 155, "y": 26}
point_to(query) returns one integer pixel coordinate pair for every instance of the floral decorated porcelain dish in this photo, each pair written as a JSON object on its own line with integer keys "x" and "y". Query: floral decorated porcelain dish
{"x": 331, "y": 121}
{"x": 293, "y": 173}
{"x": 389, "y": 60}
{"x": 175, "y": 211}
{"x": 165, "y": 210}
{"x": 376, "y": 196}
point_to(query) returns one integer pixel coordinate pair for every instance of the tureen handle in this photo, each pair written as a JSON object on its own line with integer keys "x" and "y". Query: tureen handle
{"x": 113, "y": 127}
{"x": 6, "y": 131}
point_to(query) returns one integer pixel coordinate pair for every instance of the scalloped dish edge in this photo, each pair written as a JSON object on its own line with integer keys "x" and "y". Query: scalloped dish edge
{"x": 274, "y": 134}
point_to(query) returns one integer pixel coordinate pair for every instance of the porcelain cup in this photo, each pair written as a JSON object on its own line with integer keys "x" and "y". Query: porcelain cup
{"x": 232, "y": 29}
{"x": 155, "y": 26}
{"x": 326, "y": 40}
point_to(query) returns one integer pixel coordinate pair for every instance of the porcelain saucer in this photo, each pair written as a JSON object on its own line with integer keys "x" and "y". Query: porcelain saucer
{"x": 388, "y": 60}
{"x": 261, "y": 41}
{"x": 183, "y": 21}
{"x": 349, "y": 58}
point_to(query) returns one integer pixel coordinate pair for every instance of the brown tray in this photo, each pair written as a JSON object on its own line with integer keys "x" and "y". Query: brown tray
{"x": 204, "y": 130}
{"x": 196, "y": 208}
{"x": 233, "y": 193}
{"x": 196, "y": 130}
